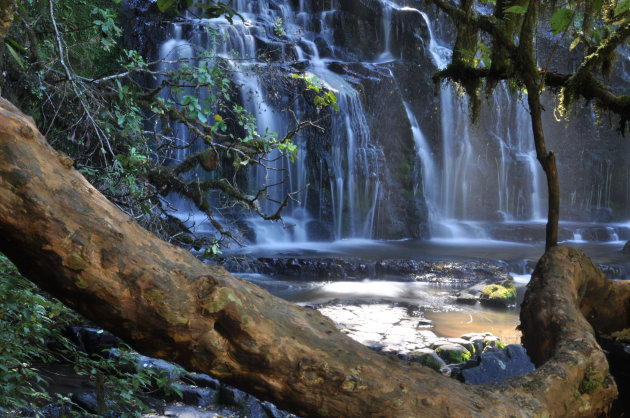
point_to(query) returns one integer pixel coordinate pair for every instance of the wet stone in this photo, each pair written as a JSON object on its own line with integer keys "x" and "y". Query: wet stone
{"x": 468, "y": 345}
{"x": 201, "y": 380}
{"x": 384, "y": 327}
{"x": 427, "y": 357}
{"x": 495, "y": 365}
{"x": 453, "y": 353}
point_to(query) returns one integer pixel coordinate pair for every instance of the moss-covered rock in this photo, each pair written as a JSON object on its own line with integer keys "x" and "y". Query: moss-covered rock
{"x": 499, "y": 294}
{"x": 427, "y": 357}
{"x": 453, "y": 353}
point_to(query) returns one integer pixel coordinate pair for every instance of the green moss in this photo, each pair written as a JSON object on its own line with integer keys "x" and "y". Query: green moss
{"x": 593, "y": 379}
{"x": 456, "y": 356}
{"x": 622, "y": 335}
{"x": 76, "y": 262}
{"x": 222, "y": 298}
{"x": 503, "y": 293}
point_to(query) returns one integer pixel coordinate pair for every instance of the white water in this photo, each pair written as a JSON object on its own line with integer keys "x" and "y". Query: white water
{"x": 463, "y": 147}
{"x": 450, "y": 185}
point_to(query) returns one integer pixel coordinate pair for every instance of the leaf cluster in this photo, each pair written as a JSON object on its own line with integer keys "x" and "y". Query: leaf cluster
{"x": 34, "y": 331}
{"x": 123, "y": 119}
{"x": 507, "y": 51}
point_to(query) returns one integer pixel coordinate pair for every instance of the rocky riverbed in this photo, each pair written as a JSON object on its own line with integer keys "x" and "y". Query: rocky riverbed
{"x": 404, "y": 308}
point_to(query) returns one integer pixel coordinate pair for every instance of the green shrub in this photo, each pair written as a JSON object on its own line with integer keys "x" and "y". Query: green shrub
{"x": 32, "y": 329}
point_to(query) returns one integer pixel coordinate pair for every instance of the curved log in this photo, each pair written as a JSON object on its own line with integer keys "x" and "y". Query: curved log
{"x": 66, "y": 237}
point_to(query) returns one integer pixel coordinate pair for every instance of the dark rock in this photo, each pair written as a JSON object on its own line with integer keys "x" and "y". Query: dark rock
{"x": 338, "y": 67}
{"x": 272, "y": 411}
{"x": 201, "y": 380}
{"x": 603, "y": 215}
{"x": 477, "y": 339}
{"x": 466, "y": 298}
{"x": 323, "y": 47}
{"x": 318, "y": 231}
{"x": 163, "y": 367}
{"x": 300, "y": 65}
{"x": 86, "y": 400}
{"x": 231, "y": 396}
{"x": 496, "y": 365}
{"x": 93, "y": 340}
{"x": 53, "y": 410}
{"x": 200, "y": 397}
{"x": 253, "y": 407}
{"x": 618, "y": 354}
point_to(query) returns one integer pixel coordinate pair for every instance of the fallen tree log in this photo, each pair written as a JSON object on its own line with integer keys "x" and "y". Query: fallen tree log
{"x": 66, "y": 237}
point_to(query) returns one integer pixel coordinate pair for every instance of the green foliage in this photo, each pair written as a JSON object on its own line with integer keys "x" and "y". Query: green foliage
{"x": 456, "y": 357}
{"x": 82, "y": 88}
{"x": 622, "y": 7}
{"x": 27, "y": 322}
{"x": 517, "y": 10}
{"x": 561, "y": 20}
{"x": 482, "y": 54}
{"x": 323, "y": 98}
{"x": 278, "y": 28}
{"x": 213, "y": 251}
{"x": 15, "y": 56}
{"x": 592, "y": 380}
{"x": 32, "y": 336}
{"x": 164, "y": 5}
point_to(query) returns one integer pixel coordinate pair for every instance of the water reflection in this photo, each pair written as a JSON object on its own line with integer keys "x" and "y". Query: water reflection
{"x": 456, "y": 323}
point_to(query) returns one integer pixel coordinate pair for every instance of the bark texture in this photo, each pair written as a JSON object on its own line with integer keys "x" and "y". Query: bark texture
{"x": 66, "y": 237}
{"x": 7, "y": 10}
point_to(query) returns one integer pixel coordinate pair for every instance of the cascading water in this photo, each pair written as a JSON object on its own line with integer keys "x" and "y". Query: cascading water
{"x": 470, "y": 176}
{"x": 464, "y": 146}
{"x": 355, "y": 161}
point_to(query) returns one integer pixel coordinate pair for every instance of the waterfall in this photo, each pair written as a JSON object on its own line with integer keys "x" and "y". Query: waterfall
{"x": 430, "y": 174}
{"x": 354, "y": 166}
{"x": 508, "y": 140}
{"x": 469, "y": 176}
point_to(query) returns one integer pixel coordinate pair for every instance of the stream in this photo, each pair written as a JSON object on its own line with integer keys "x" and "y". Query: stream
{"x": 433, "y": 301}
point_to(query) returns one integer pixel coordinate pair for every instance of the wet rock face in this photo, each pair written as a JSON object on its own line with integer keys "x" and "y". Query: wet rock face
{"x": 464, "y": 273}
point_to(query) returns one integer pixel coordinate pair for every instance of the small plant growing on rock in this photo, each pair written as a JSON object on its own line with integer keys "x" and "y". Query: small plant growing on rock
{"x": 592, "y": 380}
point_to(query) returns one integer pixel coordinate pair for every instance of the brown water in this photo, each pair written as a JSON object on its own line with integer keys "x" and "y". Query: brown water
{"x": 457, "y": 323}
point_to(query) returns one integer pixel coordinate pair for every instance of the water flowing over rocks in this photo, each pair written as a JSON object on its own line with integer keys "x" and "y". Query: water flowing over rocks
{"x": 471, "y": 272}
{"x": 368, "y": 175}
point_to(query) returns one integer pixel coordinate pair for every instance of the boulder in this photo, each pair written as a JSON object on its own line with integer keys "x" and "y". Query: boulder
{"x": 453, "y": 353}
{"x": 499, "y": 294}
{"x": 427, "y": 357}
{"x": 495, "y": 365}
{"x": 466, "y": 298}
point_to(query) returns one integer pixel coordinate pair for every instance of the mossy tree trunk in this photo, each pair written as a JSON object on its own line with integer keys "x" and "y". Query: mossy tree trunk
{"x": 67, "y": 238}
{"x": 533, "y": 82}
{"x": 7, "y": 10}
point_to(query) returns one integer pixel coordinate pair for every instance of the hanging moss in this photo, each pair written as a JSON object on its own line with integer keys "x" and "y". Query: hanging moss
{"x": 462, "y": 73}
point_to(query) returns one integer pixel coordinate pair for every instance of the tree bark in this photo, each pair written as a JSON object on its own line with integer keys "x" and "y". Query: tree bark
{"x": 7, "y": 10}
{"x": 530, "y": 76}
{"x": 66, "y": 237}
